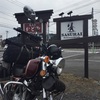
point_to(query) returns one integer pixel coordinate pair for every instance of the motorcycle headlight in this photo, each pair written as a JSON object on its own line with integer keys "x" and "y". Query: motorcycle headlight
{"x": 59, "y": 70}
{"x": 61, "y": 63}
{"x": 58, "y": 65}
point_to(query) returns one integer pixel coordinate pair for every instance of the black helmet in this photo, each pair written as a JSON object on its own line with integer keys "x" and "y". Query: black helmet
{"x": 54, "y": 52}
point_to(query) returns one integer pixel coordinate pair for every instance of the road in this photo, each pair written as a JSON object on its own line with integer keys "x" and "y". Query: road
{"x": 75, "y": 63}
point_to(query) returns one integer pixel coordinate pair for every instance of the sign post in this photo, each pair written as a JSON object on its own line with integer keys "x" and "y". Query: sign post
{"x": 72, "y": 28}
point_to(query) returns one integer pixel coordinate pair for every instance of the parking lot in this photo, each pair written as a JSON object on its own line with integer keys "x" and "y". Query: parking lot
{"x": 75, "y": 63}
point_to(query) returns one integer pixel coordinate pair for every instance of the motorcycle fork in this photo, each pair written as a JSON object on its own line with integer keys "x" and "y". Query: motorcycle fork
{"x": 1, "y": 90}
{"x": 51, "y": 97}
{"x": 44, "y": 67}
{"x": 44, "y": 91}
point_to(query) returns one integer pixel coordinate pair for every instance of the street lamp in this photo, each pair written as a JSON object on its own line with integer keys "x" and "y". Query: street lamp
{"x": 69, "y": 13}
{"x": 61, "y": 14}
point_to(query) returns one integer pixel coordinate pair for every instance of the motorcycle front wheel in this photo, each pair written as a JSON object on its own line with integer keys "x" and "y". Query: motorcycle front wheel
{"x": 13, "y": 92}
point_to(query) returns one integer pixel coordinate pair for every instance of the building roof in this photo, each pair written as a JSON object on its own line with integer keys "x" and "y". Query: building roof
{"x": 77, "y": 17}
{"x": 44, "y": 15}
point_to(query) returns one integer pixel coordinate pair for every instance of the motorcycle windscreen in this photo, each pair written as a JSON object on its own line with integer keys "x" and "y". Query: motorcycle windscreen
{"x": 32, "y": 67}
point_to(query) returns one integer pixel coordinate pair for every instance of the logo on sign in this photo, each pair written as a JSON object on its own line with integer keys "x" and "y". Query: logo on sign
{"x": 70, "y": 27}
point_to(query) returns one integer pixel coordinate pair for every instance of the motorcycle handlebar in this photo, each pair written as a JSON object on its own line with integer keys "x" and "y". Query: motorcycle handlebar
{"x": 9, "y": 42}
{"x": 31, "y": 36}
{"x": 21, "y": 31}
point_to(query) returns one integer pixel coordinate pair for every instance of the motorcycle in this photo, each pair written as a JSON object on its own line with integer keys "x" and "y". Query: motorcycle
{"x": 38, "y": 79}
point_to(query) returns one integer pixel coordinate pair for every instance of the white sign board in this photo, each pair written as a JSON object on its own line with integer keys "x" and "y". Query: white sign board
{"x": 94, "y": 27}
{"x": 71, "y": 30}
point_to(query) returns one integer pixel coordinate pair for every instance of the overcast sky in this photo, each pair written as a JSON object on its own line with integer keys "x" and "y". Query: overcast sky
{"x": 79, "y": 7}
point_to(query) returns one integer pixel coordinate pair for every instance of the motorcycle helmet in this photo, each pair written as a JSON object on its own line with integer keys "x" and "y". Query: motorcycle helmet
{"x": 54, "y": 52}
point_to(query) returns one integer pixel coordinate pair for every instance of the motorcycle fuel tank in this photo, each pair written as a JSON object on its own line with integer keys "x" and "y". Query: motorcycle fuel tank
{"x": 32, "y": 67}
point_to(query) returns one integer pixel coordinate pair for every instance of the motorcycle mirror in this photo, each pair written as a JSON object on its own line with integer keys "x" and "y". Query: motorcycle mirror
{"x": 30, "y": 13}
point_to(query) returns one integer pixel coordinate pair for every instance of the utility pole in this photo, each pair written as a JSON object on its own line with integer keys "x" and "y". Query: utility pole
{"x": 92, "y": 20}
{"x": 94, "y": 29}
{"x": 7, "y": 34}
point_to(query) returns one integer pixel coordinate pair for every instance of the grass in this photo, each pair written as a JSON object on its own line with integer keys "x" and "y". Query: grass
{"x": 81, "y": 86}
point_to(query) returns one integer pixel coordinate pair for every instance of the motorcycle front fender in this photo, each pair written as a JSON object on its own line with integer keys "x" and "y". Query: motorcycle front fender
{"x": 53, "y": 84}
{"x": 48, "y": 83}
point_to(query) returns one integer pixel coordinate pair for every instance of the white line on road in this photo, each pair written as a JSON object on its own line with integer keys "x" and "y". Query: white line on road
{"x": 80, "y": 59}
{"x": 73, "y": 51}
{"x": 72, "y": 56}
{"x": 98, "y": 61}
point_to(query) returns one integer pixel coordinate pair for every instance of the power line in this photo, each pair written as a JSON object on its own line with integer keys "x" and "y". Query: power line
{"x": 82, "y": 6}
{"x": 85, "y": 5}
{"x": 5, "y": 14}
{"x": 5, "y": 26}
{"x": 6, "y": 8}
{"x": 8, "y": 19}
{"x": 20, "y": 2}
{"x": 85, "y": 12}
{"x": 15, "y": 3}
{"x": 97, "y": 12}
{"x": 71, "y": 5}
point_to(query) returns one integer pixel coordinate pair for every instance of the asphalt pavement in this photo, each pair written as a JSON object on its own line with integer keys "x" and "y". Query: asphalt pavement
{"x": 75, "y": 62}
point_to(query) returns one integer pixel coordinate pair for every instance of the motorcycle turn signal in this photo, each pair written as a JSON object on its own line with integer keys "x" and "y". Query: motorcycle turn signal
{"x": 42, "y": 73}
{"x": 46, "y": 59}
